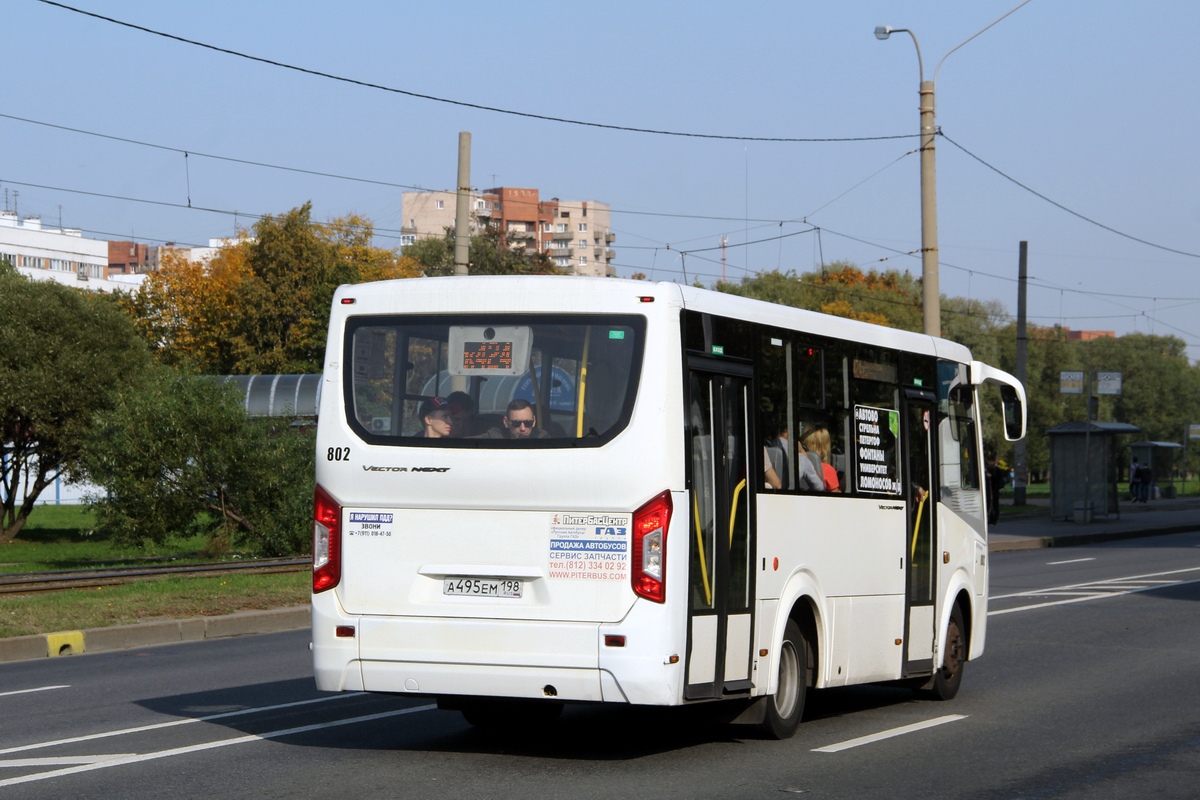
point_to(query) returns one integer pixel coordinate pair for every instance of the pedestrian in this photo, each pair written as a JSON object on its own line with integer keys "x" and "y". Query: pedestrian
{"x": 994, "y": 477}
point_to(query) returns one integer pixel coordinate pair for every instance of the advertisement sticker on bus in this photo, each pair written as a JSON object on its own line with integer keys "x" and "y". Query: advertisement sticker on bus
{"x": 590, "y": 547}
{"x": 370, "y": 524}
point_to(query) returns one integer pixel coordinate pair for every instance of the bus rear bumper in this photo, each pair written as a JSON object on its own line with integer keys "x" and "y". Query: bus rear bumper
{"x": 485, "y": 680}
{"x": 485, "y": 658}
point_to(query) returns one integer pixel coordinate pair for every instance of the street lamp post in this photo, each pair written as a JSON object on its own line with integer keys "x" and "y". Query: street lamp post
{"x": 931, "y": 298}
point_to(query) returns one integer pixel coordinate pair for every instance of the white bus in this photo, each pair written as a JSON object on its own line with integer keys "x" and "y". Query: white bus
{"x": 629, "y": 550}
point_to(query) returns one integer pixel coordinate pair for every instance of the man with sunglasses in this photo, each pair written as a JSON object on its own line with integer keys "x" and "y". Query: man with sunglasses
{"x": 519, "y": 421}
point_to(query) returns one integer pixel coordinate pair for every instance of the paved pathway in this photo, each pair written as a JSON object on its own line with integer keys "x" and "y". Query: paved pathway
{"x": 1028, "y": 531}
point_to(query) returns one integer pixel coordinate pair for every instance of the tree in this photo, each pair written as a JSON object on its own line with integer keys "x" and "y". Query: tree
{"x": 65, "y": 354}
{"x": 186, "y": 310}
{"x": 843, "y": 290}
{"x": 486, "y": 256}
{"x": 261, "y": 304}
{"x": 178, "y": 455}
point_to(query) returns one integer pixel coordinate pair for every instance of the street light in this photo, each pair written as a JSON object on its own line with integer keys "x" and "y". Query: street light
{"x": 931, "y": 299}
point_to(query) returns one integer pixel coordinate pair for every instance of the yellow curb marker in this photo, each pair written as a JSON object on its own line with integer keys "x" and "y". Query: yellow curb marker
{"x": 65, "y": 643}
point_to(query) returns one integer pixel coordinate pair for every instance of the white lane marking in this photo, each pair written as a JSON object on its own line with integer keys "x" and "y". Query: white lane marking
{"x": 175, "y": 722}
{"x": 58, "y": 760}
{"x": 1086, "y": 597}
{"x": 38, "y": 689}
{"x": 196, "y": 748}
{"x": 1072, "y": 561}
{"x": 1093, "y": 584}
{"x": 878, "y": 737}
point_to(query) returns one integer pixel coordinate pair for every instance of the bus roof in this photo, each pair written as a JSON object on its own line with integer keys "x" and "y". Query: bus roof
{"x": 540, "y": 293}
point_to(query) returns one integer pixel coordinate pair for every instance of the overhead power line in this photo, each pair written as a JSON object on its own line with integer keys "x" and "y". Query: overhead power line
{"x": 1060, "y": 206}
{"x": 465, "y": 104}
{"x": 184, "y": 152}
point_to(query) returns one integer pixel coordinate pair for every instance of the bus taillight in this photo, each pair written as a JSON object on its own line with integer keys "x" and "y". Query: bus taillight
{"x": 327, "y": 544}
{"x": 650, "y": 548}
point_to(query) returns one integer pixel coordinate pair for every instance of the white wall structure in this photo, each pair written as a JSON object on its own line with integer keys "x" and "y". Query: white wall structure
{"x": 64, "y": 256}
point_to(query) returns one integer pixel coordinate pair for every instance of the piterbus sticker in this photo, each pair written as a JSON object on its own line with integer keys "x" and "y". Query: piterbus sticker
{"x": 589, "y": 547}
{"x": 370, "y": 524}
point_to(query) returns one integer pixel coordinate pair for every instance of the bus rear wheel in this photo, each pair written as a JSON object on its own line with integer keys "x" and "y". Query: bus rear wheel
{"x": 948, "y": 677}
{"x": 786, "y": 706}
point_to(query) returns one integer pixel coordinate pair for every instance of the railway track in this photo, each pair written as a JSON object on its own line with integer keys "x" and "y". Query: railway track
{"x": 59, "y": 580}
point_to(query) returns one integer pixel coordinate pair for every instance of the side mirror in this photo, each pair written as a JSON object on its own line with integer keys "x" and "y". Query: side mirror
{"x": 1014, "y": 416}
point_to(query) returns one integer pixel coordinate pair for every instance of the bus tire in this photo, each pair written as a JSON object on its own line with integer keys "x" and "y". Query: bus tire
{"x": 948, "y": 677}
{"x": 786, "y": 706}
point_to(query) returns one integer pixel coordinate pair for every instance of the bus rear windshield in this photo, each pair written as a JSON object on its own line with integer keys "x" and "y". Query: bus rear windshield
{"x": 492, "y": 380}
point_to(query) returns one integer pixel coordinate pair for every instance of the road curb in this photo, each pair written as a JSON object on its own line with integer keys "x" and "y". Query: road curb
{"x": 1075, "y": 539}
{"x": 146, "y": 634}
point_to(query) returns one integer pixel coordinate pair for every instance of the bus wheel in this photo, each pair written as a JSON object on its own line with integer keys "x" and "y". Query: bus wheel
{"x": 948, "y": 678}
{"x": 786, "y": 706}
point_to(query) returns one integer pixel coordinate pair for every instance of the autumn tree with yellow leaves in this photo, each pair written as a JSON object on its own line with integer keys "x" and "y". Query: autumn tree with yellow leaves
{"x": 260, "y": 305}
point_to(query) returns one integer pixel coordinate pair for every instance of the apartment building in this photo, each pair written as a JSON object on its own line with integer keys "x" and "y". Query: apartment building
{"x": 65, "y": 256}
{"x": 577, "y": 235}
{"x": 131, "y": 258}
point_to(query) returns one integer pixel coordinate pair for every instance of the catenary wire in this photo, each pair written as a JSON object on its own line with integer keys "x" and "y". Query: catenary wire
{"x": 463, "y": 103}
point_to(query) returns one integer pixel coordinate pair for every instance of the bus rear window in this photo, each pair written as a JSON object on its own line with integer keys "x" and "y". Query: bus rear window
{"x": 492, "y": 380}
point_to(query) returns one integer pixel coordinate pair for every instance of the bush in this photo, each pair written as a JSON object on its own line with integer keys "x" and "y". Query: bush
{"x": 179, "y": 455}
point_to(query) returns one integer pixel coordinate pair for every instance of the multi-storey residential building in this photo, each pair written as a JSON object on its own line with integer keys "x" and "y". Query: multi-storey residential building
{"x": 577, "y": 235}
{"x": 131, "y": 258}
{"x": 64, "y": 256}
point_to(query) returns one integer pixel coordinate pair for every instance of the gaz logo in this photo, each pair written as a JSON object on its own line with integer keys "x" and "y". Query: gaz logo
{"x": 602, "y": 531}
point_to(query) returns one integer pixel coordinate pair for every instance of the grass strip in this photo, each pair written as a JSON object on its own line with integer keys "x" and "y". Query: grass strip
{"x": 143, "y": 601}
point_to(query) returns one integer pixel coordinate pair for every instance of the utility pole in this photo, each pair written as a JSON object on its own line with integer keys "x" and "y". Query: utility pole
{"x": 462, "y": 209}
{"x": 1019, "y": 468}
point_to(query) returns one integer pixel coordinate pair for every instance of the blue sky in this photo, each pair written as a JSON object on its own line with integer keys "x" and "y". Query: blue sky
{"x": 1091, "y": 105}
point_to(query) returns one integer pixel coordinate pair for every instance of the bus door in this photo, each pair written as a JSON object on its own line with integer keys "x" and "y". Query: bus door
{"x": 920, "y": 476}
{"x": 725, "y": 471}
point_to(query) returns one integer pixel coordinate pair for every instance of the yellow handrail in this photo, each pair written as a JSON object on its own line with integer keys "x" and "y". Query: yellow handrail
{"x": 700, "y": 544}
{"x": 733, "y": 508}
{"x": 917, "y": 526}
{"x": 587, "y": 343}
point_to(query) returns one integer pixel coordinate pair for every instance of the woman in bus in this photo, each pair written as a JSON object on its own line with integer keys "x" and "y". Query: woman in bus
{"x": 817, "y": 440}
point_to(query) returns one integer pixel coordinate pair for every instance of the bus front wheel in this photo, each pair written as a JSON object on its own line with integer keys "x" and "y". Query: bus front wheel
{"x": 786, "y": 706}
{"x": 948, "y": 678}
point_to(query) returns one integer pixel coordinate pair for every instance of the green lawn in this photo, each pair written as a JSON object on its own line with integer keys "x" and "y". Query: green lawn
{"x": 61, "y": 537}
{"x": 165, "y": 598}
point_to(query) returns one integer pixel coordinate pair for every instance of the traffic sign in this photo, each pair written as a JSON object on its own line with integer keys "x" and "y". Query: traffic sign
{"x": 1070, "y": 383}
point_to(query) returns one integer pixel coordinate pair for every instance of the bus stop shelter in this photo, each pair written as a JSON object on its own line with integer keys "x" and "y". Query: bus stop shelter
{"x": 1160, "y": 458}
{"x": 1085, "y": 466}
{"x": 297, "y": 396}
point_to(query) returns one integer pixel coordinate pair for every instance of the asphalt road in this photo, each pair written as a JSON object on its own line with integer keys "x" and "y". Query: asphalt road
{"x": 1090, "y": 688}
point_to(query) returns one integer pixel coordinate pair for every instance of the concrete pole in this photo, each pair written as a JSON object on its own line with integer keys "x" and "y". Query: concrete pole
{"x": 1019, "y": 463}
{"x": 462, "y": 209}
{"x": 931, "y": 297}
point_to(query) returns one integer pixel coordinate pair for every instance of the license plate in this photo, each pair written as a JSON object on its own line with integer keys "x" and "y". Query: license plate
{"x": 482, "y": 587}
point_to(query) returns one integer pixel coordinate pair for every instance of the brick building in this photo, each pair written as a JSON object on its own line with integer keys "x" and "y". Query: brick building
{"x": 577, "y": 235}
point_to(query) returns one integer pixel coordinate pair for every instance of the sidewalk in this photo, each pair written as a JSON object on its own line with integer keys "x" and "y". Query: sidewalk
{"x": 1135, "y": 520}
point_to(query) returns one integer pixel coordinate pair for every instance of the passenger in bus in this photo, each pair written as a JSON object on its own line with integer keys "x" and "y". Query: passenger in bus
{"x": 462, "y": 415}
{"x": 777, "y": 449}
{"x": 519, "y": 423}
{"x": 810, "y": 481}
{"x": 817, "y": 440}
{"x": 770, "y": 476}
{"x": 435, "y": 416}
